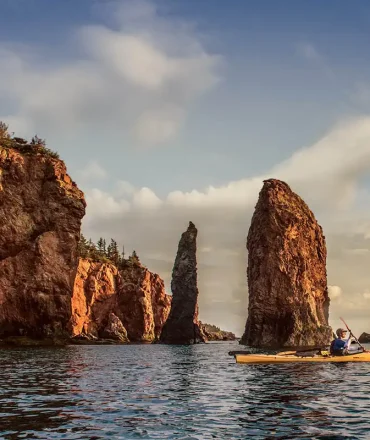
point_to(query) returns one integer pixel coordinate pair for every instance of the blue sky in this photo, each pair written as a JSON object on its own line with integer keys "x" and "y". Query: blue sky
{"x": 271, "y": 80}
{"x": 158, "y": 106}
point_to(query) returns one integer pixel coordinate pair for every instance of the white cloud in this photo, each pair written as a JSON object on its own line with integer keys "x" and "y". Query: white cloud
{"x": 140, "y": 78}
{"x": 154, "y": 126}
{"x": 102, "y": 205}
{"x": 145, "y": 198}
{"x": 366, "y": 295}
{"x": 92, "y": 171}
{"x": 124, "y": 188}
{"x": 334, "y": 292}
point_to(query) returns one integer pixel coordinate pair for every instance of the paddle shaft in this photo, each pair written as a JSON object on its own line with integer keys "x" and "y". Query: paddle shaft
{"x": 350, "y": 333}
{"x": 281, "y": 353}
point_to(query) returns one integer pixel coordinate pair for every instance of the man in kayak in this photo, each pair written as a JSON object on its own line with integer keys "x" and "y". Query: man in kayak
{"x": 340, "y": 346}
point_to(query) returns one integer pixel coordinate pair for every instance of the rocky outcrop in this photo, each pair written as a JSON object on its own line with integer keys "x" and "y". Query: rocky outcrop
{"x": 182, "y": 325}
{"x": 40, "y": 217}
{"x": 143, "y": 301}
{"x": 214, "y": 333}
{"x": 115, "y": 329}
{"x": 132, "y": 300}
{"x": 364, "y": 338}
{"x": 288, "y": 295}
{"x": 94, "y": 297}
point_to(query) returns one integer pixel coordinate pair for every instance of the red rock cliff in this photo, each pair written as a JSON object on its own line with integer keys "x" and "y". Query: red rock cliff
{"x": 40, "y": 218}
{"x": 135, "y": 296}
{"x": 288, "y": 296}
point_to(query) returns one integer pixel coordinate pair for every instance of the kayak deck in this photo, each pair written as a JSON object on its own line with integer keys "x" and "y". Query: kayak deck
{"x": 277, "y": 359}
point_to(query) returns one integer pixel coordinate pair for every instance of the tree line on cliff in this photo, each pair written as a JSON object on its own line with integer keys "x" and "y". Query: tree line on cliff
{"x": 101, "y": 252}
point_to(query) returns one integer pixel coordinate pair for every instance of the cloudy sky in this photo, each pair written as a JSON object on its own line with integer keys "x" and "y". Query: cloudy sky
{"x": 168, "y": 111}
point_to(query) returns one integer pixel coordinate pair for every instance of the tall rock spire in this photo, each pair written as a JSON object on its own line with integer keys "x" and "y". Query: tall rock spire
{"x": 182, "y": 325}
{"x": 288, "y": 295}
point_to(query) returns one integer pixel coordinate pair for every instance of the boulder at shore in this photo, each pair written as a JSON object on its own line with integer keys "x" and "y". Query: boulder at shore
{"x": 364, "y": 338}
{"x": 288, "y": 295}
{"x": 182, "y": 325}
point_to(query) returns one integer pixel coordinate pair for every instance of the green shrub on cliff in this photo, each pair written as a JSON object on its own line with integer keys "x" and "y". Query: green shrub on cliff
{"x": 40, "y": 146}
{"x": 4, "y": 134}
{"x": 36, "y": 146}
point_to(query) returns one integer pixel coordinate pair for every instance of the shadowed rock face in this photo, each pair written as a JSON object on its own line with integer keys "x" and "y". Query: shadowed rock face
{"x": 182, "y": 325}
{"x": 288, "y": 296}
{"x": 134, "y": 296}
{"x": 40, "y": 219}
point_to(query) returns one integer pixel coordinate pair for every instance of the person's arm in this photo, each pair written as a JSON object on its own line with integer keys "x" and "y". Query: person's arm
{"x": 348, "y": 342}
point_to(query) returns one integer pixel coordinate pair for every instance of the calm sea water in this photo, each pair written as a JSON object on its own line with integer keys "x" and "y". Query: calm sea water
{"x": 175, "y": 392}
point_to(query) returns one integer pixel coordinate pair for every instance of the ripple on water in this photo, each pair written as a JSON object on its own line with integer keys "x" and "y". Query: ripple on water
{"x": 175, "y": 392}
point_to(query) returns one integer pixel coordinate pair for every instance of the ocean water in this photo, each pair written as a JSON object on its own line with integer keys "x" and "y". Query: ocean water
{"x": 176, "y": 392}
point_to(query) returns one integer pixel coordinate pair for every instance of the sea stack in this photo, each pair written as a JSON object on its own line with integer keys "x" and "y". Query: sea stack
{"x": 287, "y": 282}
{"x": 182, "y": 325}
{"x": 40, "y": 218}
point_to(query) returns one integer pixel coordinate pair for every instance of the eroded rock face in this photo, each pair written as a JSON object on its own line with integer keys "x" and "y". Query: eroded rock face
{"x": 135, "y": 296}
{"x": 288, "y": 296}
{"x": 141, "y": 294}
{"x": 40, "y": 218}
{"x": 182, "y": 325}
{"x": 94, "y": 297}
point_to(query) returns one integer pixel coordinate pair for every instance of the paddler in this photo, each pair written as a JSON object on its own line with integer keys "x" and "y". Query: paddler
{"x": 340, "y": 346}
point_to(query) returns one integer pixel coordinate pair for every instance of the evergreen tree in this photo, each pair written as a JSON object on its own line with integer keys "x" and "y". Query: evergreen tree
{"x": 114, "y": 253}
{"x": 83, "y": 247}
{"x": 101, "y": 252}
{"x": 109, "y": 252}
{"x": 133, "y": 258}
{"x": 93, "y": 252}
{"x": 100, "y": 245}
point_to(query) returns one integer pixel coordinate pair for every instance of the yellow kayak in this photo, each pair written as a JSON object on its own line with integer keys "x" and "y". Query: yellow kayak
{"x": 277, "y": 359}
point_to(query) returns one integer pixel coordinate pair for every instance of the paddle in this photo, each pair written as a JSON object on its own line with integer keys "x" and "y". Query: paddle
{"x": 235, "y": 352}
{"x": 288, "y": 353}
{"x": 350, "y": 333}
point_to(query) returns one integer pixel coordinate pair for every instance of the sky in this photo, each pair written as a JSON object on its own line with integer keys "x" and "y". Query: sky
{"x": 167, "y": 112}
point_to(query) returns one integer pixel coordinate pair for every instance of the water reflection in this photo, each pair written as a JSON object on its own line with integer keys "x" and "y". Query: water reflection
{"x": 35, "y": 389}
{"x": 158, "y": 392}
